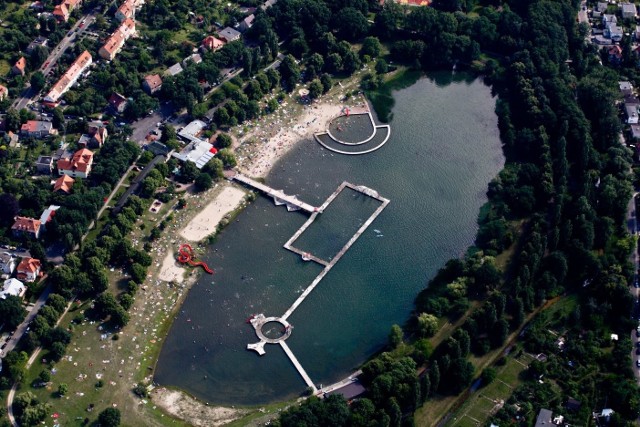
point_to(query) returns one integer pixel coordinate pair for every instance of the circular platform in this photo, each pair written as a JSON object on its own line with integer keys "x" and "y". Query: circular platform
{"x": 259, "y": 322}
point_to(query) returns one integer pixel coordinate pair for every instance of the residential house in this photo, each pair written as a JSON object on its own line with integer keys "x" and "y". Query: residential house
{"x": 194, "y": 58}
{"x": 152, "y": 84}
{"x": 64, "y": 184}
{"x": 37, "y": 6}
{"x": 626, "y": 88}
{"x": 24, "y": 226}
{"x": 174, "y": 70}
{"x": 47, "y": 216}
{"x": 127, "y": 10}
{"x": 12, "y": 139}
{"x": 71, "y": 4}
{"x": 37, "y": 42}
{"x": 615, "y": 54}
{"x": 229, "y": 35}
{"x": 61, "y": 13}
{"x": 629, "y": 10}
{"x": 545, "y": 418}
{"x": 44, "y": 165}
{"x": 115, "y": 42}
{"x": 95, "y": 136}
{"x": 69, "y": 78}
{"x": 112, "y": 46}
{"x": 573, "y": 404}
{"x": 246, "y": 23}
{"x": 12, "y": 287}
{"x": 211, "y": 43}
{"x": 37, "y": 129}
{"x": 4, "y": 92}
{"x": 19, "y": 67}
{"x": 117, "y": 103}
{"x": 611, "y": 28}
{"x": 7, "y": 263}
{"x": 79, "y": 165}
{"x": 266, "y": 5}
{"x": 29, "y": 269}
{"x": 635, "y": 132}
{"x": 602, "y": 6}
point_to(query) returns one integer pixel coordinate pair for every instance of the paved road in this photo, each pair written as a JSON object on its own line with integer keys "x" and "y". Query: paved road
{"x": 22, "y": 328}
{"x": 29, "y": 94}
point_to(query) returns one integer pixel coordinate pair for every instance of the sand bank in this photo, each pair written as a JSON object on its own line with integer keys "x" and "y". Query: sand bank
{"x": 182, "y": 406}
{"x": 206, "y": 222}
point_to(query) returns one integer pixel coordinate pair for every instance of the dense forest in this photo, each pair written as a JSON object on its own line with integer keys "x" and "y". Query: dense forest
{"x": 559, "y": 207}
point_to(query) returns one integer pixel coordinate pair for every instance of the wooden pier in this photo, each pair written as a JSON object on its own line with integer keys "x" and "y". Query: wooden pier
{"x": 279, "y": 197}
{"x": 298, "y": 366}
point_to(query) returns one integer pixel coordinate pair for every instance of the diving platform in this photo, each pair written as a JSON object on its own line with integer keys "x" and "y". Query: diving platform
{"x": 279, "y": 197}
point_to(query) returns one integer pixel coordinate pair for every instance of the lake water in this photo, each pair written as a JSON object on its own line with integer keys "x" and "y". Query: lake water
{"x": 443, "y": 151}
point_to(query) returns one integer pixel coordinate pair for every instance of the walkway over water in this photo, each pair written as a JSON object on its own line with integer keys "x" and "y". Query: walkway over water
{"x": 279, "y": 197}
{"x": 258, "y": 321}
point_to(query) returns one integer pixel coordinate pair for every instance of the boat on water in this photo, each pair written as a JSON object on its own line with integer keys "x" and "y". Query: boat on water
{"x": 306, "y": 256}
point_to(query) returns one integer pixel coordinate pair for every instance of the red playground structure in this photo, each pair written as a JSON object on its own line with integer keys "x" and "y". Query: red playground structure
{"x": 186, "y": 255}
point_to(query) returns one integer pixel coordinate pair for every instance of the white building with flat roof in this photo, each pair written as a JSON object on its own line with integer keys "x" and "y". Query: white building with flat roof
{"x": 12, "y": 287}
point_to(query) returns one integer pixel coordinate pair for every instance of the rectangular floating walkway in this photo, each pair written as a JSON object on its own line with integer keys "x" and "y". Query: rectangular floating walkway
{"x": 278, "y": 195}
{"x": 329, "y": 265}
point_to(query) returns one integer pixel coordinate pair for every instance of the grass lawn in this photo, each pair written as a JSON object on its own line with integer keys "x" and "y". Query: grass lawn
{"x": 5, "y": 67}
{"x": 479, "y": 406}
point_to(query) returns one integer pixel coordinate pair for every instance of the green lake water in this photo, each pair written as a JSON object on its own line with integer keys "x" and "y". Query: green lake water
{"x": 443, "y": 151}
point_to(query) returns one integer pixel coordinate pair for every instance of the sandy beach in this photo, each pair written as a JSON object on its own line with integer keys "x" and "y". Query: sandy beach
{"x": 185, "y": 407}
{"x": 205, "y": 223}
{"x": 274, "y": 140}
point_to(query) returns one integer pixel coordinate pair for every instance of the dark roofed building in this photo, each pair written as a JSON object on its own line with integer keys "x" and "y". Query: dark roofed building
{"x": 545, "y": 418}
{"x": 573, "y": 404}
{"x": 350, "y": 391}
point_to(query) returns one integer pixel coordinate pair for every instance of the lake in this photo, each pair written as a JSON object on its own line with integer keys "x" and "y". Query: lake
{"x": 443, "y": 151}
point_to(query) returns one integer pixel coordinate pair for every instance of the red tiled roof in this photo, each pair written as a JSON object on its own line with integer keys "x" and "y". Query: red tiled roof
{"x": 81, "y": 161}
{"x": 28, "y": 225}
{"x": 212, "y": 43}
{"x": 21, "y": 64}
{"x": 29, "y": 265}
{"x": 64, "y": 183}
{"x": 61, "y": 11}
{"x": 153, "y": 81}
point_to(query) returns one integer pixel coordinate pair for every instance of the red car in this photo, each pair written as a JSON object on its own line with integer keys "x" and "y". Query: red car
{"x": 45, "y": 64}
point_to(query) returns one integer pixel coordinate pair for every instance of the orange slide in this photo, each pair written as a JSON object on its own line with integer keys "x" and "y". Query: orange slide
{"x": 185, "y": 256}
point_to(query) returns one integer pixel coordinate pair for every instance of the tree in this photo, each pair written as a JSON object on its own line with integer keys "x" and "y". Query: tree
{"x": 289, "y": 72}
{"x": 371, "y": 46}
{"x": 138, "y": 273}
{"x": 105, "y": 305}
{"x": 37, "y": 81}
{"x": 395, "y": 336}
{"x": 488, "y": 375}
{"x": 223, "y": 140}
{"x": 227, "y": 157}
{"x": 381, "y": 66}
{"x": 352, "y": 24}
{"x": 315, "y": 89}
{"x": 12, "y": 312}
{"x": 203, "y": 182}
{"x": 110, "y": 417}
{"x": 56, "y": 351}
{"x": 427, "y": 324}
{"x": 10, "y": 208}
{"x": 326, "y": 81}
{"x": 62, "y": 389}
